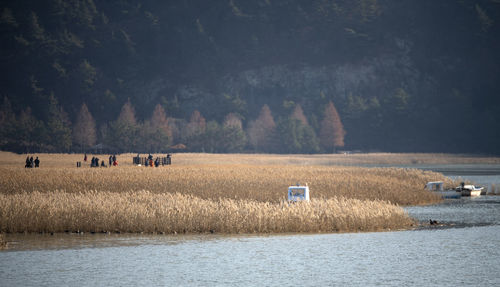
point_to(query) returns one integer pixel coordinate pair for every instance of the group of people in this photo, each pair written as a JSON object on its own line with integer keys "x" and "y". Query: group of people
{"x": 94, "y": 162}
{"x": 157, "y": 162}
{"x": 32, "y": 163}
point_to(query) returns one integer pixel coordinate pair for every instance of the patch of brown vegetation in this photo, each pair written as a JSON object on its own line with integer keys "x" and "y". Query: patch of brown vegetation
{"x": 235, "y": 193}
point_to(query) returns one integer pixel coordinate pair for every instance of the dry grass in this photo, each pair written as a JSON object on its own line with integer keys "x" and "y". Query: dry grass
{"x": 331, "y": 159}
{"x": 203, "y": 193}
{"x": 69, "y": 160}
{"x": 265, "y": 183}
{"x": 144, "y": 211}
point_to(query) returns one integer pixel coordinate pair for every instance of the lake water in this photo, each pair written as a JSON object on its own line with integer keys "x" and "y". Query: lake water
{"x": 463, "y": 250}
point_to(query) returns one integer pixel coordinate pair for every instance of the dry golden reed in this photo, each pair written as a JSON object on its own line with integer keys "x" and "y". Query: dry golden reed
{"x": 266, "y": 183}
{"x": 69, "y": 160}
{"x": 205, "y": 192}
{"x": 144, "y": 211}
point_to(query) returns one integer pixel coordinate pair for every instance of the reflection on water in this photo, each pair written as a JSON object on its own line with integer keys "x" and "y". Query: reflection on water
{"x": 463, "y": 252}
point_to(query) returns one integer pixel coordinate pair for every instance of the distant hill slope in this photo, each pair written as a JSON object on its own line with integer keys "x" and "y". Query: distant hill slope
{"x": 404, "y": 75}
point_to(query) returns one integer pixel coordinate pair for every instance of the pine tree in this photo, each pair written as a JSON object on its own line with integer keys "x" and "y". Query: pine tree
{"x": 332, "y": 131}
{"x": 289, "y": 134}
{"x": 213, "y": 137}
{"x": 233, "y": 136}
{"x": 26, "y": 134}
{"x": 84, "y": 130}
{"x": 59, "y": 126}
{"x": 296, "y": 134}
{"x": 297, "y": 137}
{"x": 7, "y": 124}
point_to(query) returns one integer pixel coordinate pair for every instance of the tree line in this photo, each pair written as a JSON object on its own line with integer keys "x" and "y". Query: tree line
{"x": 23, "y": 132}
{"x": 405, "y": 76}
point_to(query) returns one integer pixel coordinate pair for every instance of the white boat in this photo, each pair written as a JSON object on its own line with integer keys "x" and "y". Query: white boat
{"x": 469, "y": 190}
{"x": 298, "y": 193}
{"x": 438, "y": 187}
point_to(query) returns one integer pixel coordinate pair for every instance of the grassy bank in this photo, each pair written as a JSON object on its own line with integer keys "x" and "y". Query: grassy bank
{"x": 227, "y": 193}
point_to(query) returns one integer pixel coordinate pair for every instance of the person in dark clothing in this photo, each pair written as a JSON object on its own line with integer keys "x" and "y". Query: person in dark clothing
{"x": 96, "y": 162}
{"x": 37, "y": 162}
{"x": 85, "y": 158}
{"x": 27, "y": 162}
{"x": 114, "y": 157}
{"x": 110, "y": 160}
{"x": 92, "y": 162}
{"x": 31, "y": 162}
{"x": 103, "y": 164}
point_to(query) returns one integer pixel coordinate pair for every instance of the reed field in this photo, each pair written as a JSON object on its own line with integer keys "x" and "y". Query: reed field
{"x": 206, "y": 193}
{"x": 69, "y": 160}
{"x": 144, "y": 211}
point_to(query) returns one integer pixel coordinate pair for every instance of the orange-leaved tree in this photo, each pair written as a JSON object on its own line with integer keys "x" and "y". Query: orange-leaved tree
{"x": 262, "y": 131}
{"x": 332, "y": 131}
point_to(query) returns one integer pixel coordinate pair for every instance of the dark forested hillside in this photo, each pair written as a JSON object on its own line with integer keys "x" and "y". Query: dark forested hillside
{"x": 263, "y": 75}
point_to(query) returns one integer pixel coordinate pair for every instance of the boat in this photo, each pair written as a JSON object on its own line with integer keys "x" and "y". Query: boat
{"x": 298, "y": 193}
{"x": 438, "y": 188}
{"x": 469, "y": 190}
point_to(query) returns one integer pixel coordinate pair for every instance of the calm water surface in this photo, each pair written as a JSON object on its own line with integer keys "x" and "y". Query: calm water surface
{"x": 464, "y": 250}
